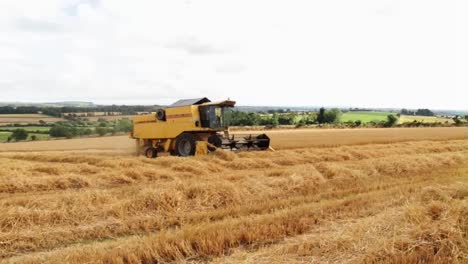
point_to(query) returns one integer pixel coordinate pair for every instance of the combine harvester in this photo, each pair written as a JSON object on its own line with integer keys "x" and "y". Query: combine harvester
{"x": 191, "y": 127}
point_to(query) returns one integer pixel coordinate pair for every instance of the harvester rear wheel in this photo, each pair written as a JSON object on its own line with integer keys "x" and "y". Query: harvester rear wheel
{"x": 185, "y": 145}
{"x": 151, "y": 153}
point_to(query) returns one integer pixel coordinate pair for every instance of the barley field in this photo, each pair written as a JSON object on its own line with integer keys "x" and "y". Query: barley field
{"x": 350, "y": 198}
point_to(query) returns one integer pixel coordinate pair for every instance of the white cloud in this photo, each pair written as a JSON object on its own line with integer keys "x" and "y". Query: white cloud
{"x": 363, "y": 53}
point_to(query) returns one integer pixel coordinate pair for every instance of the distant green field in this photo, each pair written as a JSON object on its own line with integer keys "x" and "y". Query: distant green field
{"x": 4, "y": 136}
{"x": 365, "y": 116}
{"x": 27, "y": 128}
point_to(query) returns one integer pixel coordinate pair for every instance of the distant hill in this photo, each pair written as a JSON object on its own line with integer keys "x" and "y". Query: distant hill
{"x": 243, "y": 108}
{"x": 345, "y": 109}
{"x": 72, "y": 104}
{"x": 54, "y": 104}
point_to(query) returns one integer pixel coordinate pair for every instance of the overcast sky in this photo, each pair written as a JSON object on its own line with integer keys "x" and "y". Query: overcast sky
{"x": 366, "y": 53}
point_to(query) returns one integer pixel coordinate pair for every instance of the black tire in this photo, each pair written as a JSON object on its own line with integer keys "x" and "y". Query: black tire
{"x": 151, "y": 153}
{"x": 185, "y": 145}
{"x": 263, "y": 142}
{"x": 215, "y": 140}
{"x": 161, "y": 115}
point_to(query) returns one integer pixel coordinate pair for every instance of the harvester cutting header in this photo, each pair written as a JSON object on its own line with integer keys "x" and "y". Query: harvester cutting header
{"x": 189, "y": 127}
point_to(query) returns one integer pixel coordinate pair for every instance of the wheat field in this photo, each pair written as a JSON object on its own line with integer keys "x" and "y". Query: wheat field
{"x": 388, "y": 202}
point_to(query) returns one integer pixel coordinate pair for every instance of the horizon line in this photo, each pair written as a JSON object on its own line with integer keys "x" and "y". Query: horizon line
{"x": 271, "y": 106}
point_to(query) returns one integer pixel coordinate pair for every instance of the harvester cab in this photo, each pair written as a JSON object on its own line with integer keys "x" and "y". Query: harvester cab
{"x": 192, "y": 127}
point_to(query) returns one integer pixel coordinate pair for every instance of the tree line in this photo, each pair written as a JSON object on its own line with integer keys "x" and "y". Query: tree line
{"x": 77, "y": 128}
{"x": 58, "y": 111}
{"x": 419, "y": 112}
{"x": 322, "y": 117}
{"x": 81, "y": 128}
{"x": 240, "y": 118}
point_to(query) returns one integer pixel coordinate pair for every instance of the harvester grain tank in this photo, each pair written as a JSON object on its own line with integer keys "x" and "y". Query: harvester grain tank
{"x": 191, "y": 127}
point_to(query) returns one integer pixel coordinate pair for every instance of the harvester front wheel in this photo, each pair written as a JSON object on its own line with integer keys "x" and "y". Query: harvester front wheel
{"x": 185, "y": 145}
{"x": 151, "y": 153}
{"x": 215, "y": 140}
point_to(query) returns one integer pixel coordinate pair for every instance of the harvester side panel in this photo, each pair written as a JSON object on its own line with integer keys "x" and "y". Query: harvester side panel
{"x": 178, "y": 120}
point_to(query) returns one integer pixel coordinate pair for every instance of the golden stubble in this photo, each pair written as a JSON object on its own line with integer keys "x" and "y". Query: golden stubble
{"x": 393, "y": 203}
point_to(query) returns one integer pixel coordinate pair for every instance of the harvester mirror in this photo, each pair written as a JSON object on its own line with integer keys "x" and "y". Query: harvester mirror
{"x": 161, "y": 115}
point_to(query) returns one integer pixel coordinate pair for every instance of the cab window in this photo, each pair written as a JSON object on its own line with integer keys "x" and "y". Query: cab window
{"x": 212, "y": 117}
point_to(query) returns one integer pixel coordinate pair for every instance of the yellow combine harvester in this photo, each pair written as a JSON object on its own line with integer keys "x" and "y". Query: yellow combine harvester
{"x": 189, "y": 127}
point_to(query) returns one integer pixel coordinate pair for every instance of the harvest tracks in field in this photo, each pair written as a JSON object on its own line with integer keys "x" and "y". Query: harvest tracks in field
{"x": 307, "y": 204}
